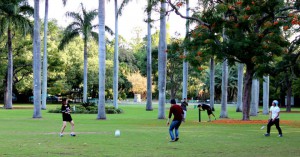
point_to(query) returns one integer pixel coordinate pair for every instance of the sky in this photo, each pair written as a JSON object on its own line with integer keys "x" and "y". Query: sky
{"x": 132, "y": 18}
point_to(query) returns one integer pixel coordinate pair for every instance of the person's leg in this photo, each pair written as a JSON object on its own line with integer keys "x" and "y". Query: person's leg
{"x": 184, "y": 115}
{"x": 72, "y": 128}
{"x": 278, "y": 127}
{"x": 209, "y": 117}
{"x": 214, "y": 115}
{"x": 177, "y": 130}
{"x": 63, "y": 128}
{"x": 171, "y": 128}
{"x": 270, "y": 123}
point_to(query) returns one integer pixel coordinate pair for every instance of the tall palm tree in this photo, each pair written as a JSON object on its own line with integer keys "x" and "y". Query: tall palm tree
{"x": 37, "y": 62}
{"x": 239, "y": 103}
{"x": 45, "y": 59}
{"x": 116, "y": 54}
{"x": 162, "y": 60}
{"x": 82, "y": 26}
{"x": 185, "y": 63}
{"x": 149, "y": 55}
{"x": 223, "y": 113}
{"x": 14, "y": 16}
{"x": 266, "y": 95}
{"x": 101, "y": 56}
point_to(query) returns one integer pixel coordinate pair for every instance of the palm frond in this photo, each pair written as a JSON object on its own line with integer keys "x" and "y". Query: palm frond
{"x": 67, "y": 38}
{"x": 107, "y": 29}
{"x": 123, "y": 4}
{"x": 95, "y": 36}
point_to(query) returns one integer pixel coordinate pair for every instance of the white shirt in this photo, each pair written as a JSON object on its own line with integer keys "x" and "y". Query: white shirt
{"x": 275, "y": 111}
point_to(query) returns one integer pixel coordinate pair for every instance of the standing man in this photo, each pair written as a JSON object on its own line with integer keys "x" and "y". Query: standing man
{"x": 274, "y": 118}
{"x": 208, "y": 110}
{"x": 177, "y": 111}
{"x": 184, "y": 105}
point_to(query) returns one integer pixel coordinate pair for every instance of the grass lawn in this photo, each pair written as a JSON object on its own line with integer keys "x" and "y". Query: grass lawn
{"x": 143, "y": 135}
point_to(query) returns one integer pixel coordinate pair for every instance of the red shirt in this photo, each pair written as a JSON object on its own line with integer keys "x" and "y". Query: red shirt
{"x": 177, "y": 111}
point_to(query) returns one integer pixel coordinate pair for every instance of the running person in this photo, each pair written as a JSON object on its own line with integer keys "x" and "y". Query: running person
{"x": 208, "y": 110}
{"x": 66, "y": 109}
{"x": 177, "y": 111}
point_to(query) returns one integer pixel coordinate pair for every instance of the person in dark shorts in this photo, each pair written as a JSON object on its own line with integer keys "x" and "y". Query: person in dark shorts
{"x": 184, "y": 105}
{"x": 208, "y": 110}
{"x": 66, "y": 109}
{"x": 177, "y": 111}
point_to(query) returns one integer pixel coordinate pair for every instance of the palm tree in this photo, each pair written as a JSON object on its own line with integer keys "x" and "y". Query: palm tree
{"x": 82, "y": 26}
{"x": 101, "y": 55}
{"x": 223, "y": 113}
{"x": 37, "y": 62}
{"x": 162, "y": 60}
{"x": 13, "y": 17}
{"x": 45, "y": 59}
{"x": 239, "y": 103}
{"x": 254, "y": 97}
{"x": 266, "y": 95}
{"x": 149, "y": 55}
{"x": 185, "y": 63}
{"x": 116, "y": 54}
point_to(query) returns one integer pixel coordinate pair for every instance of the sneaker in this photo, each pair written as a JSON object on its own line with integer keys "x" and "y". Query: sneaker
{"x": 172, "y": 141}
{"x": 61, "y": 135}
{"x": 267, "y": 134}
{"x": 72, "y": 134}
{"x": 176, "y": 139}
{"x": 280, "y": 135}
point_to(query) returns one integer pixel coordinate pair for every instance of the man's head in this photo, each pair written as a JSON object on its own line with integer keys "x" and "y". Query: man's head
{"x": 184, "y": 99}
{"x": 275, "y": 103}
{"x": 173, "y": 101}
{"x": 199, "y": 106}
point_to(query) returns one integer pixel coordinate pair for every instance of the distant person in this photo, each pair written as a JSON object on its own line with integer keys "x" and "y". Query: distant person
{"x": 66, "y": 109}
{"x": 184, "y": 105}
{"x": 177, "y": 111}
{"x": 274, "y": 118}
{"x": 208, "y": 110}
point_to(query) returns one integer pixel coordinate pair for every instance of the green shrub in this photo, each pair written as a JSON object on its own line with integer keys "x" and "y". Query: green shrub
{"x": 89, "y": 108}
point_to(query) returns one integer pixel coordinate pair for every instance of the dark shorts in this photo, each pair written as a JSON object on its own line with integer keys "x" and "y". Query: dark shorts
{"x": 67, "y": 117}
{"x": 209, "y": 112}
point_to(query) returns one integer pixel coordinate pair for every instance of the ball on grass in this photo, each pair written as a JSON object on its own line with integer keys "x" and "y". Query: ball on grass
{"x": 117, "y": 133}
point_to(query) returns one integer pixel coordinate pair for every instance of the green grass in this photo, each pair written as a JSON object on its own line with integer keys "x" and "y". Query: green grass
{"x": 142, "y": 135}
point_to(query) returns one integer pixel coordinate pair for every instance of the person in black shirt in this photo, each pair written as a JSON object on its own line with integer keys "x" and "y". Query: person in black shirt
{"x": 184, "y": 105}
{"x": 66, "y": 109}
{"x": 208, "y": 110}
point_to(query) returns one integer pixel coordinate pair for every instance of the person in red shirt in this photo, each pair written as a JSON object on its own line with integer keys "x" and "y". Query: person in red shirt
{"x": 177, "y": 111}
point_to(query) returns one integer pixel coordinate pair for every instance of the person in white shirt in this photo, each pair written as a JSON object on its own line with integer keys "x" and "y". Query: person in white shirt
{"x": 274, "y": 118}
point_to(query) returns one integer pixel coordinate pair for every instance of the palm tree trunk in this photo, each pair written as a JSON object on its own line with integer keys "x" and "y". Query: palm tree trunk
{"x": 37, "y": 62}
{"x": 185, "y": 63}
{"x": 223, "y": 113}
{"x": 162, "y": 59}
{"x": 288, "y": 95}
{"x": 116, "y": 57}
{"x": 85, "y": 71}
{"x": 239, "y": 103}
{"x": 149, "y": 63}
{"x": 102, "y": 55}
{"x": 254, "y": 97}
{"x": 45, "y": 60}
{"x": 212, "y": 83}
{"x": 266, "y": 95}
{"x": 8, "y": 94}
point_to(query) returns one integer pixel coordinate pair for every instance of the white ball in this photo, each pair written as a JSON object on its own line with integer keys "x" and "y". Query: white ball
{"x": 117, "y": 133}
